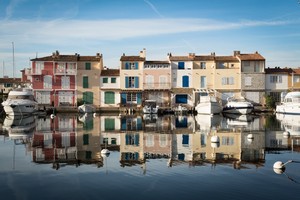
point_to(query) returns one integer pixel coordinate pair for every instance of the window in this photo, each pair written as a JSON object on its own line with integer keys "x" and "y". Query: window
{"x": 131, "y": 97}
{"x": 109, "y": 97}
{"x": 149, "y": 81}
{"x": 113, "y": 140}
{"x": 105, "y": 80}
{"x": 227, "y": 80}
{"x": 65, "y": 82}
{"x": 248, "y": 81}
{"x": 113, "y": 80}
{"x": 180, "y": 65}
{"x": 181, "y": 98}
{"x": 88, "y": 97}
{"x": 131, "y": 65}
{"x": 221, "y": 65}
{"x": 85, "y": 139}
{"x": 246, "y": 63}
{"x": 275, "y": 79}
{"x": 185, "y": 81}
{"x": 132, "y": 82}
{"x": 185, "y": 140}
{"x": 8, "y": 85}
{"x": 202, "y": 65}
{"x": 228, "y": 141}
{"x": 276, "y": 96}
{"x": 60, "y": 68}
{"x": 132, "y": 139}
{"x": 88, "y": 66}
{"x": 109, "y": 124}
{"x": 203, "y": 82}
{"x": 85, "y": 82}
{"x": 47, "y": 82}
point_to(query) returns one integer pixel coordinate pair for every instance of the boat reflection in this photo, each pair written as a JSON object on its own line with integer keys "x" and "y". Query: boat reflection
{"x": 75, "y": 140}
{"x": 290, "y": 123}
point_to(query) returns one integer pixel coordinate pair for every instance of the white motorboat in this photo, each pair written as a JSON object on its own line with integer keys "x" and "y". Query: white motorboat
{"x": 19, "y": 126}
{"x": 238, "y": 106}
{"x": 290, "y": 104}
{"x": 208, "y": 105}
{"x": 150, "y": 107}
{"x": 290, "y": 123}
{"x": 20, "y": 101}
{"x": 86, "y": 108}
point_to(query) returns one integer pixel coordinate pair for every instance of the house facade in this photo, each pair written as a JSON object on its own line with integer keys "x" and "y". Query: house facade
{"x": 58, "y": 80}
{"x": 110, "y": 89}
{"x": 182, "y": 82}
{"x": 131, "y": 79}
{"x": 157, "y": 82}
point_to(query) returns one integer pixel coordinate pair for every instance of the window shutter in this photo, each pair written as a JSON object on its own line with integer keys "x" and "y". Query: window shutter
{"x": 136, "y": 82}
{"x": 123, "y": 98}
{"x": 139, "y": 98}
{"x": 126, "y": 82}
{"x": 136, "y": 65}
{"x": 126, "y": 65}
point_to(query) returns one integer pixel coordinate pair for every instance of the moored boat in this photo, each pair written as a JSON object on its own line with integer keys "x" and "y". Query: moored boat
{"x": 20, "y": 101}
{"x": 208, "y": 104}
{"x": 290, "y": 104}
{"x": 238, "y": 106}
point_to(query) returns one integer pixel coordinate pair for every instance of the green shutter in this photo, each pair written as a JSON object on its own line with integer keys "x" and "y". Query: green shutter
{"x": 85, "y": 82}
{"x": 86, "y": 139}
{"x": 88, "y": 97}
{"x": 88, "y": 66}
{"x": 109, "y": 124}
{"x": 113, "y": 80}
{"x": 109, "y": 97}
{"x": 105, "y": 80}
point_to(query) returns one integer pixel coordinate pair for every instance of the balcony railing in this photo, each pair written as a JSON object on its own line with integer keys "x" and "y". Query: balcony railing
{"x": 157, "y": 86}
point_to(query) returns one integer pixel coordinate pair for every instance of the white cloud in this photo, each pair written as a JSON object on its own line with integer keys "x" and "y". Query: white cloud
{"x": 61, "y": 31}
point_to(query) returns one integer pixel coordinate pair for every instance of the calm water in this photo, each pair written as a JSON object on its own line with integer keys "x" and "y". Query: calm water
{"x": 169, "y": 157}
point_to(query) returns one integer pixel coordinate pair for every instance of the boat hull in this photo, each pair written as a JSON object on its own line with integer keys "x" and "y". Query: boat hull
{"x": 238, "y": 110}
{"x": 288, "y": 109}
{"x": 209, "y": 108}
{"x": 15, "y": 108}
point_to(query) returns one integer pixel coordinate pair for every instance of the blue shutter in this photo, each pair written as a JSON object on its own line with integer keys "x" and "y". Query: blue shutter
{"x": 185, "y": 139}
{"x": 185, "y": 81}
{"x": 139, "y": 98}
{"x": 136, "y": 65}
{"x": 136, "y": 82}
{"x": 126, "y": 82}
{"x": 137, "y": 139}
{"x": 123, "y": 98}
{"x": 123, "y": 124}
{"x": 139, "y": 123}
{"x": 126, "y": 65}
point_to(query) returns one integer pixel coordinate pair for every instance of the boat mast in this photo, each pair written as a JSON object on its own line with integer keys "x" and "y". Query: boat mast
{"x": 13, "y": 51}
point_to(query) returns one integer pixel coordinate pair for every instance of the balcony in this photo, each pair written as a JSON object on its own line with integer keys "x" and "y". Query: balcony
{"x": 157, "y": 86}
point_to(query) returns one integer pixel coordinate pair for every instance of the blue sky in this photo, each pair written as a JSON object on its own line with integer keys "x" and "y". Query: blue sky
{"x": 114, "y": 27}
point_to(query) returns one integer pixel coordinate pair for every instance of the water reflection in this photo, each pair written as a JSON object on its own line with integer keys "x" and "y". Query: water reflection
{"x": 73, "y": 140}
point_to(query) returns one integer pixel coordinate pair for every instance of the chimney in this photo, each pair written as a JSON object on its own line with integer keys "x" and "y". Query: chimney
{"x": 143, "y": 53}
{"x": 191, "y": 55}
{"x": 213, "y": 53}
{"x": 236, "y": 53}
{"x": 98, "y": 55}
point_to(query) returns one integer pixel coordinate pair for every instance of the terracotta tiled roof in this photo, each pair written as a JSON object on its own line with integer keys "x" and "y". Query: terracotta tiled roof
{"x": 226, "y": 59}
{"x": 182, "y": 90}
{"x": 10, "y": 80}
{"x": 181, "y": 58}
{"x": 278, "y": 70}
{"x": 296, "y": 71}
{"x": 132, "y": 58}
{"x": 69, "y": 58}
{"x": 156, "y": 62}
{"x": 254, "y": 56}
{"x": 204, "y": 58}
{"x": 110, "y": 72}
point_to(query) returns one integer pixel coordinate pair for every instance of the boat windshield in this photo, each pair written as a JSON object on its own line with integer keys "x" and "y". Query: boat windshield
{"x": 30, "y": 97}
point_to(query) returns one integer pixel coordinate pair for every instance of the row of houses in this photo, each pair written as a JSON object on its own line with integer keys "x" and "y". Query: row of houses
{"x": 69, "y": 80}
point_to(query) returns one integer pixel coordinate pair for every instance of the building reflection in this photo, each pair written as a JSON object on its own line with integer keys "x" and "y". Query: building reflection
{"x": 73, "y": 140}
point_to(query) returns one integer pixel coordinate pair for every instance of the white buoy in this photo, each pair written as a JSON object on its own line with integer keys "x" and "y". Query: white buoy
{"x": 215, "y": 139}
{"x": 94, "y": 115}
{"x": 105, "y": 152}
{"x": 250, "y": 137}
{"x": 52, "y": 116}
{"x": 286, "y": 134}
{"x": 278, "y": 165}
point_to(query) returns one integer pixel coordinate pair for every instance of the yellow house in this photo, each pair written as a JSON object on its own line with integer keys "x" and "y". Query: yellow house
{"x": 88, "y": 78}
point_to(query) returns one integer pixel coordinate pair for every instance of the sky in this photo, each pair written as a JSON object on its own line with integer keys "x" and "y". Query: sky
{"x": 36, "y": 28}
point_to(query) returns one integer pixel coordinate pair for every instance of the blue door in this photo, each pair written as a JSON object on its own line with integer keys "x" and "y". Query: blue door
{"x": 181, "y": 98}
{"x": 185, "y": 81}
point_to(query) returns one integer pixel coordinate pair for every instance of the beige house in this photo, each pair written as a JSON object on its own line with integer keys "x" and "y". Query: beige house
{"x": 88, "y": 78}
